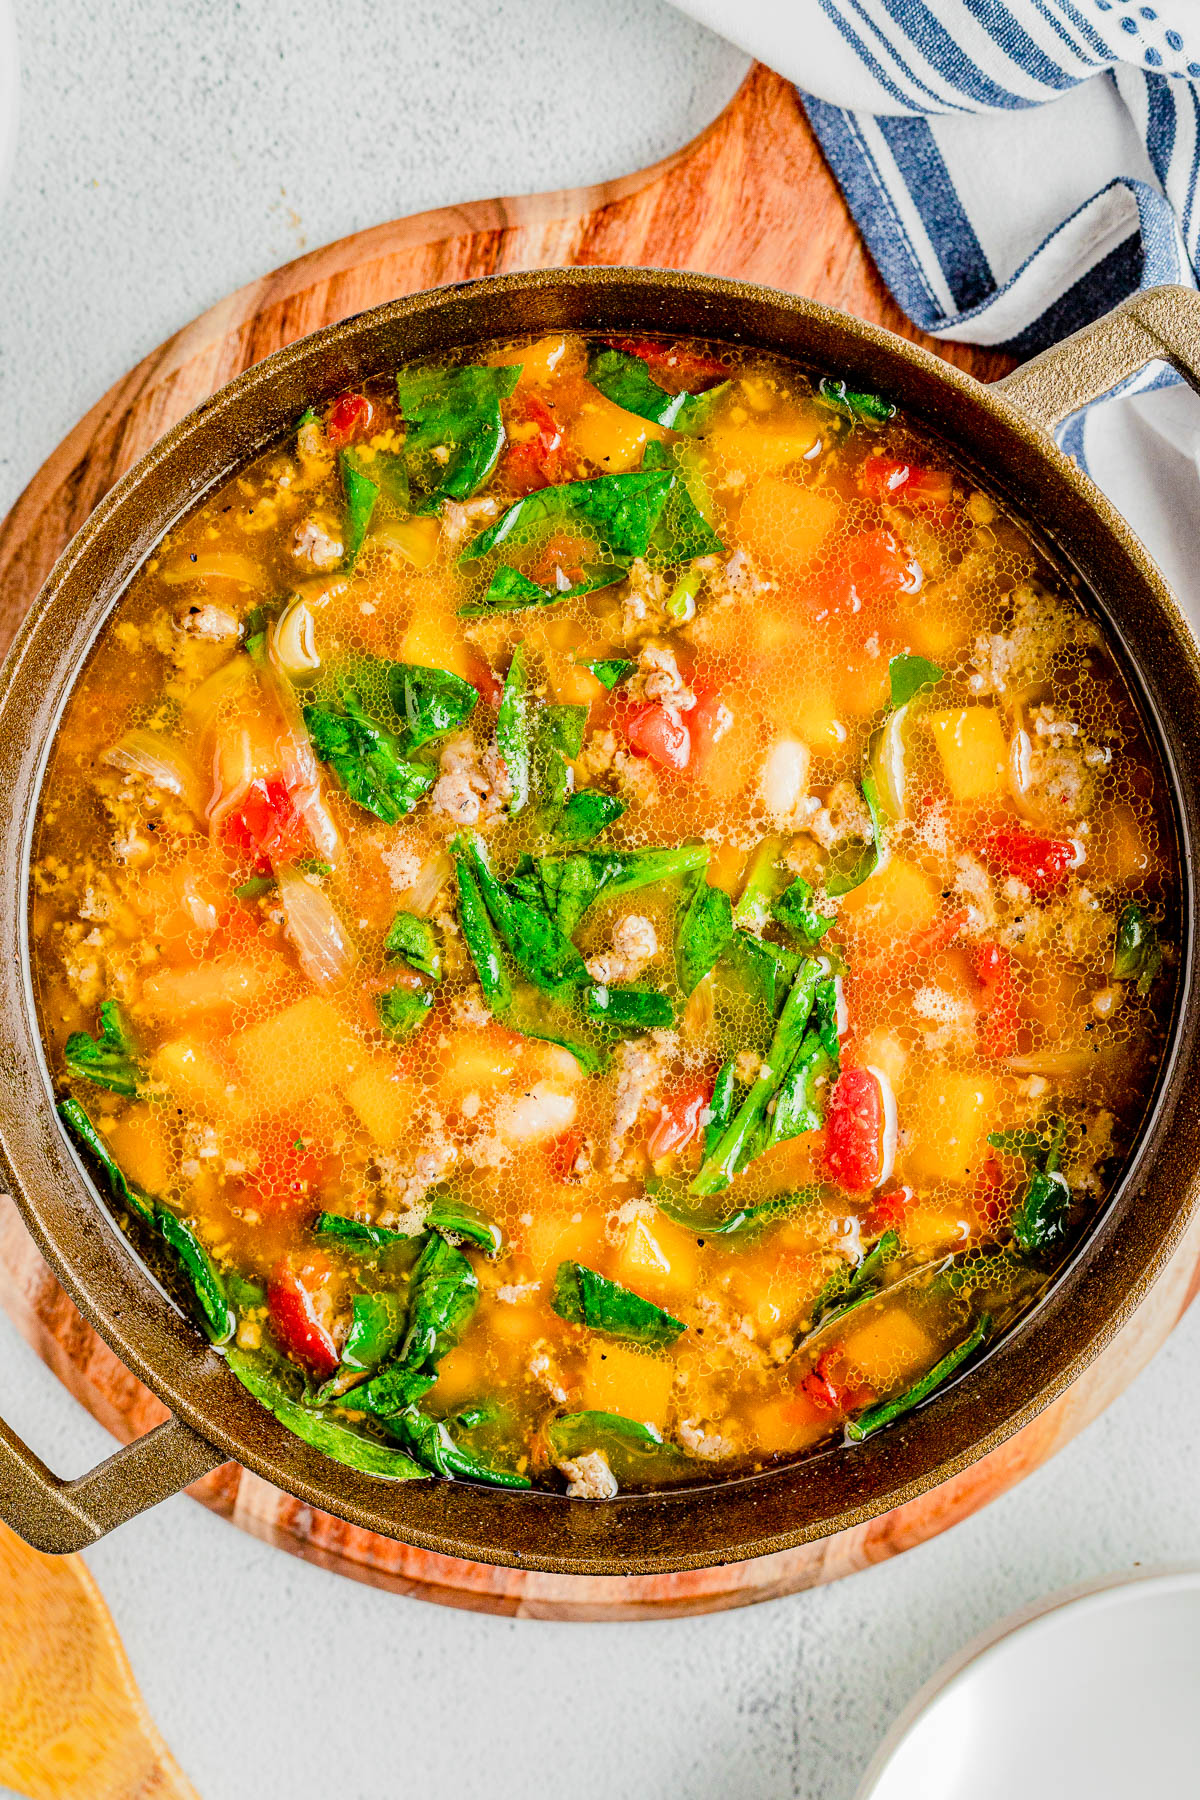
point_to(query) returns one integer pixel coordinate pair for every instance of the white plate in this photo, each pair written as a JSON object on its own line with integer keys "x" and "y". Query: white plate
{"x": 1091, "y": 1693}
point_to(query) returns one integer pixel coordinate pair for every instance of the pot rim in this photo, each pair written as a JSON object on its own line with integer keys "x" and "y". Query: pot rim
{"x": 672, "y": 1530}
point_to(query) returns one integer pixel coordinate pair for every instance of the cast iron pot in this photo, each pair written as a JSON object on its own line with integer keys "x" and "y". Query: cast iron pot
{"x": 1003, "y": 432}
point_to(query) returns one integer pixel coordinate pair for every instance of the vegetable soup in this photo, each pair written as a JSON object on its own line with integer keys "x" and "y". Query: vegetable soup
{"x": 603, "y": 915}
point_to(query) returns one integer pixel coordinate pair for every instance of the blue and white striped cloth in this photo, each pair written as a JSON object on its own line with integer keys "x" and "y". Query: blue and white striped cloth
{"x": 1017, "y": 167}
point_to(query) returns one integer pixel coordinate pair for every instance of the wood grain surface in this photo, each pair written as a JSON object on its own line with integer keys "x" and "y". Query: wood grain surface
{"x": 750, "y": 197}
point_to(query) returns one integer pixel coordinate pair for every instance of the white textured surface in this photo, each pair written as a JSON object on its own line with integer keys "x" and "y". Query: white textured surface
{"x": 157, "y": 142}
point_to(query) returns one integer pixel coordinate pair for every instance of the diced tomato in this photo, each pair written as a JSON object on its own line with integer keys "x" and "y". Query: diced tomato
{"x": 678, "y": 1121}
{"x": 562, "y": 1154}
{"x": 937, "y": 936}
{"x": 290, "y": 1167}
{"x": 561, "y": 560}
{"x": 535, "y": 446}
{"x": 683, "y": 369}
{"x": 707, "y": 723}
{"x": 890, "y": 1209}
{"x": 1042, "y": 863}
{"x": 998, "y": 1018}
{"x": 654, "y": 732}
{"x": 928, "y": 491}
{"x": 295, "y": 1315}
{"x": 349, "y": 419}
{"x": 484, "y": 679}
{"x": 266, "y": 827}
{"x": 821, "y": 1386}
{"x": 854, "y": 1130}
{"x": 869, "y": 566}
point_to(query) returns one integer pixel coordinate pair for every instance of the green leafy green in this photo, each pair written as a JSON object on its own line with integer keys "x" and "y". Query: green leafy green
{"x": 850, "y": 867}
{"x": 794, "y": 909}
{"x": 403, "y": 1010}
{"x": 479, "y": 934}
{"x": 541, "y": 949}
{"x": 586, "y": 813}
{"x": 256, "y": 887}
{"x": 572, "y": 883}
{"x": 366, "y": 758}
{"x": 764, "y": 880}
{"x": 195, "y": 1264}
{"x": 621, "y": 511}
{"x": 376, "y": 1327}
{"x": 684, "y": 530}
{"x": 1137, "y": 952}
{"x": 628, "y": 383}
{"x": 745, "y": 1221}
{"x": 742, "y": 1138}
{"x": 766, "y": 969}
{"x": 361, "y": 494}
{"x": 796, "y": 1108}
{"x": 572, "y": 1432}
{"x": 628, "y": 1009}
{"x": 869, "y": 409}
{"x": 703, "y": 928}
{"x": 848, "y": 1287}
{"x": 332, "y": 1437}
{"x": 416, "y": 941}
{"x": 610, "y": 671}
{"x": 514, "y": 730}
{"x": 1040, "y": 1217}
{"x": 454, "y": 1219}
{"x": 583, "y": 1297}
{"x": 909, "y": 674}
{"x": 557, "y": 741}
{"x": 455, "y": 431}
{"x": 429, "y": 1443}
{"x": 109, "y": 1059}
{"x": 355, "y": 1234}
{"x": 443, "y": 1295}
{"x": 431, "y": 702}
{"x": 720, "y": 1107}
{"x": 876, "y": 1417}
{"x": 511, "y": 591}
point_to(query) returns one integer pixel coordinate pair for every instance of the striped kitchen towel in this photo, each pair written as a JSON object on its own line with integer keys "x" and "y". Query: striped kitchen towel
{"x": 1017, "y": 167}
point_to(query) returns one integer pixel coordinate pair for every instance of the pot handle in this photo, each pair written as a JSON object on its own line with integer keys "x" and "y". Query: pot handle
{"x": 1160, "y": 323}
{"x": 59, "y": 1516}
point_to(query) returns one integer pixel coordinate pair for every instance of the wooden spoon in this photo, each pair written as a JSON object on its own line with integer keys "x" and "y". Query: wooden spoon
{"x": 73, "y": 1725}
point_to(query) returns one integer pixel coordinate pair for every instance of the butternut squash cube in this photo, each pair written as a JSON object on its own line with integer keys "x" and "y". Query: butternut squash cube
{"x": 635, "y": 1383}
{"x": 889, "y": 1348}
{"x": 610, "y": 437}
{"x": 553, "y": 1238}
{"x": 974, "y": 751}
{"x": 298, "y": 1053}
{"x": 433, "y": 637}
{"x": 950, "y": 1117}
{"x": 207, "y": 987}
{"x": 754, "y": 450}
{"x": 538, "y": 363}
{"x": 785, "y": 525}
{"x": 383, "y": 1102}
{"x": 198, "y": 1079}
{"x": 778, "y": 1426}
{"x": 896, "y": 901}
{"x": 139, "y": 1142}
{"x": 658, "y": 1259}
{"x": 929, "y": 1229}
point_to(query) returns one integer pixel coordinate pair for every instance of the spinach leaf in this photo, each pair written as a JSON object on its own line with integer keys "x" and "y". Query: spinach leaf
{"x": 585, "y": 814}
{"x": 610, "y": 671}
{"x": 454, "y": 1219}
{"x": 703, "y": 928}
{"x": 683, "y": 532}
{"x": 794, "y": 909}
{"x": 558, "y": 739}
{"x": 876, "y": 1417}
{"x": 746, "y": 1221}
{"x": 621, "y": 510}
{"x": 846, "y": 1289}
{"x": 431, "y": 702}
{"x": 825, "y": 1019}
{"x": 511, "y": 591}
{"x": 387, "y": 470}
{"x": 572, "y": 883}
{"x": 628, "y": 1009}
{"x": 366, "y": 758}
{"x": 628, "y": 383}
{"x": 1039, "y": 1219}
{"x": 1137, "y": 952}
{"x": 376, "y": 1327}
{"x": 908, "y": 675}
{"x": 763, "y": 882}
{"x": 332, "y": 1437}
{"x": 796, "y": 1108}
{"x": 443, "y": 1295}
{"x": 455, "y": 432}
{"x": 869, "y": 409}
{"x": 851, "y": 866}
{"x": 361, "y": 494}
{"x": 109, "y": 1059}
{"x": 355, "y": 1234}
{"x": 540, "y": 948}
{"x": 416, "y": 941}
{"x": 742, "y": 1138}
{"x": 479, "y": 934}
{"x": 403, "y": 1010}
{"x": 535, "y": 1015}
{"x": 429, "y": 1443}
{"x": 720, "y": 1107}
{"x": 767, "y": 969}
{"x": 583, "y": 1297}
{"x": 514, "y": 730}
{"x": 195, "y": 1264}
{"x": 573, "y": 1432}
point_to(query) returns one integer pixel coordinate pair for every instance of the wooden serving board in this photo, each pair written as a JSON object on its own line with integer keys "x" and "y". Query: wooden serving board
{"x": 750, "y": 197}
